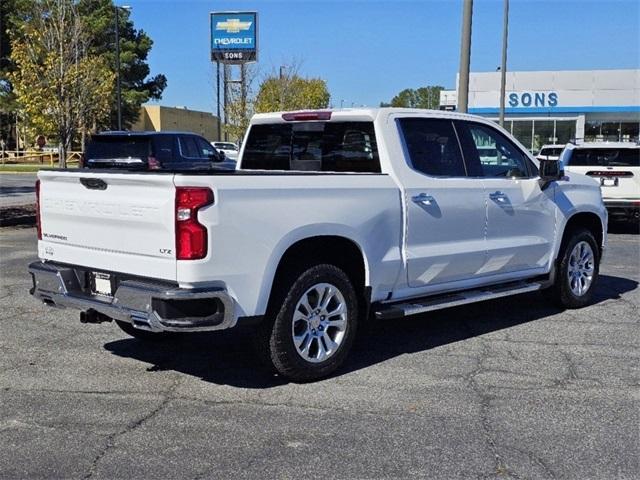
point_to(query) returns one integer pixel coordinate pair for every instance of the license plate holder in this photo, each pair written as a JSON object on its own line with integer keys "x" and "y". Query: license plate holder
{"x": 102, "y": 284}
{"x": 608, "y": 181}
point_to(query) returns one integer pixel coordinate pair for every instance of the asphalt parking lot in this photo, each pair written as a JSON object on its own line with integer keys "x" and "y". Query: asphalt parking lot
{"x": 512, "y": 388}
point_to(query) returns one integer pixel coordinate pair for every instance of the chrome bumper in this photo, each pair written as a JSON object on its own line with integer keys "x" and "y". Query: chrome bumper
{"x": 146, "y": 305}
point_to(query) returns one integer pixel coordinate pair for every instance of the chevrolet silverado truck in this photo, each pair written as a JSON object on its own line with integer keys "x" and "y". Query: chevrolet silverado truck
{"x": 331, "y": 219}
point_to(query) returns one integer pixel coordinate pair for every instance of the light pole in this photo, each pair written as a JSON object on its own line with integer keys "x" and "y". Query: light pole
{"x": 118, "y": 92}
{"x": 465, "y": 56}
{"x": 503, "y": 68}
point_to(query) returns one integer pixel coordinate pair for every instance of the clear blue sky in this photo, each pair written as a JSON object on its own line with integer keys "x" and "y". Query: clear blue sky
{"x": 367, "y": 51}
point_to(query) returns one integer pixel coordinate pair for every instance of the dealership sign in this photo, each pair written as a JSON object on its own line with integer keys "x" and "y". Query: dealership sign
{"x": 234, "y": 37}
{"x": 532, "y": 99}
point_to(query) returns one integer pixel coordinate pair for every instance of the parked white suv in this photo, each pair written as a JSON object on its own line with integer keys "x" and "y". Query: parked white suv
{"x": 229, "y": 149}
{"x": 616, "y": 166}
{"x": 550, "y": 152}
{"x": 331, "y": 218}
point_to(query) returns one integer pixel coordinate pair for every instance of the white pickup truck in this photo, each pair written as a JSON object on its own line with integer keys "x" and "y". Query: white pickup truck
{"x": 332, "y": 218}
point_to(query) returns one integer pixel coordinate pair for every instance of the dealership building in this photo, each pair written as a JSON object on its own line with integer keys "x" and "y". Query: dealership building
{"x": 558, "y": 107}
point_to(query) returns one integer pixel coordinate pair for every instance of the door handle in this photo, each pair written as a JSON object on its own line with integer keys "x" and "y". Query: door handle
{"x": 423, "y": 199}
{"x": 498, "y": 196}
{"x": 94, "y": 183}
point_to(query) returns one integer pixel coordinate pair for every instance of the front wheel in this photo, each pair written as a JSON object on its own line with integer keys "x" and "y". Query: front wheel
{"x": 314, "y": 328}
{"x": 577, "y": 270}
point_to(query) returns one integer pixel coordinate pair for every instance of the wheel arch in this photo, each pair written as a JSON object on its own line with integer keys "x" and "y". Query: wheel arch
{"x": 338, "y": 250}
{"x": 588, "y": 220}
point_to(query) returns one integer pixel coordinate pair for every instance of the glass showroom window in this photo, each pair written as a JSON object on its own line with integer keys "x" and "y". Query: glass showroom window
{"x": 565, "y": 131}
{"x": 592, "y": 131}
{"x": 610, "y": 131}
{"x": 543, "y": 133}
{"x": 523, "y": 131}
{"x": 629, "y": 131}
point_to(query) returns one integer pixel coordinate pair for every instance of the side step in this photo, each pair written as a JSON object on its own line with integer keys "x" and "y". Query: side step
{"x": 436, "y": 302}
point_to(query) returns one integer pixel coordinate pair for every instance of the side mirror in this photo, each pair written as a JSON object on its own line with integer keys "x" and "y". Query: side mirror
{"x": 217, "y": 157}
{"x": 550, "y": 171}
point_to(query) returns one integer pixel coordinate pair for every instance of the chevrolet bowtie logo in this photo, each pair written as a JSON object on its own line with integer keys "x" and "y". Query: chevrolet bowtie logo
{"x": 233, "y": 25}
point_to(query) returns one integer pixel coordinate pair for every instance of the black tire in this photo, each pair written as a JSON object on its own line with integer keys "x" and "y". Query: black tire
{"x": 561, "y": 292}
{"x": 145, "y": 335}
{"x": 275, "y": 337}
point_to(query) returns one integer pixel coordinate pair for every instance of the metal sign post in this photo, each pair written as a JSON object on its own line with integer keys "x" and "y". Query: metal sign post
{"x": 218, "y": 100}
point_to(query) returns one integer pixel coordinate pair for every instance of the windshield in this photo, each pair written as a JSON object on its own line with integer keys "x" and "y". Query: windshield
{"x": 226, "y": 146}
{"x": 552, "y": 152}
{"x": 605, "y": 157}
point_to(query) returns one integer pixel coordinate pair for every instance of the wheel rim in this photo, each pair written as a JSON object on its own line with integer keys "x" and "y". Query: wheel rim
{"x": 581, "y": 269}
{"x": 319, "y": 322}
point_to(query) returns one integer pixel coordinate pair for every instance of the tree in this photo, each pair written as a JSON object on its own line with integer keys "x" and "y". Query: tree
{"x": 423, "y": 97}
{"x": 8, "y": 105}
{"x": 136, "y": 85}
{"x": 60, "y": 87}
{"x": 291, "y": 92}
{"x": 240, "y": 103}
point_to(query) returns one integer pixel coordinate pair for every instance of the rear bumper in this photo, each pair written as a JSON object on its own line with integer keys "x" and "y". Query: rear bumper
{"x": 623, "y": 207}
{"x": 147, "y": 305}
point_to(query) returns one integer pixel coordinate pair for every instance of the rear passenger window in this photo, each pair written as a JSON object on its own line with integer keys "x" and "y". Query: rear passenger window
{"x": 313, "y": 146}
{"x": 163, "y": 148}
{"x": 433, "y": 147}
{"x": 188, "y": 147}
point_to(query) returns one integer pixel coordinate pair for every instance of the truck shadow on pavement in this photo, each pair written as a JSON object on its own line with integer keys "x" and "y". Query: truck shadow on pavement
{"x": 227, "y": 358}
{"x": 630, "y": 228}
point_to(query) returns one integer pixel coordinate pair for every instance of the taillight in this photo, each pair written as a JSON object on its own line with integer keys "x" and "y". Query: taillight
{"x": 153, "y": 163}
{"x": 306, "y": 116}
{"x": 191, "y": 236}
{"x": 38, "y": 224}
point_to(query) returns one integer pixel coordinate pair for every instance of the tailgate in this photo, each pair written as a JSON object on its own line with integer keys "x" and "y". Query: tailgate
{"x": 615, "y": 182}
{"x": 120, "y": 222}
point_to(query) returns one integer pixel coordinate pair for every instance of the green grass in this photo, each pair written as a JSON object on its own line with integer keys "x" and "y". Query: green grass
{"x": 20, "y": 168}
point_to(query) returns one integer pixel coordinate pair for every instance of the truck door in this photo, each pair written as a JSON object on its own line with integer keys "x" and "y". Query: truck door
{"x": 445, "y": 207}
{"x": 520, "y": 215}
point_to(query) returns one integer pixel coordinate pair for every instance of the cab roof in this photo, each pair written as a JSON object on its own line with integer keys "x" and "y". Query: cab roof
{"x": 357, "y": 114}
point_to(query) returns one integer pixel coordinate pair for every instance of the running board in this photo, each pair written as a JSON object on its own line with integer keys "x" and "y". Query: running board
{"x": 437, "y": 302}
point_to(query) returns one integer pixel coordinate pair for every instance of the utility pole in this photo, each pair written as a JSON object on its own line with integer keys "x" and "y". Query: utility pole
{"x": 503, "y": 67}
{"x": 465, "y": 56}
{"x": 282, "y": 85}
{"x": 243, "y": 91}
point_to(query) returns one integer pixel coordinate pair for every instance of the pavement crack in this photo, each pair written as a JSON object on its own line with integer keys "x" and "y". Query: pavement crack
{"x": 111, "y": 439}
{"x": 548, "y": 472}
{"x": 500, "y": 464}
{"x": 572, "y": 374}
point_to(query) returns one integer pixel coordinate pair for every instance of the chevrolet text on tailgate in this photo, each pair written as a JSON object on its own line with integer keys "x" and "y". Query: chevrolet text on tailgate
{"x": 332, "y": 219}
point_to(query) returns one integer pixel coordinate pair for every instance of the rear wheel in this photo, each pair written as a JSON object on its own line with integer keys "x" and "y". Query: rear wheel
{"x": 313, "y": 329}
{"x": 145, "y": 335}
{"x": 577, "y": 270}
